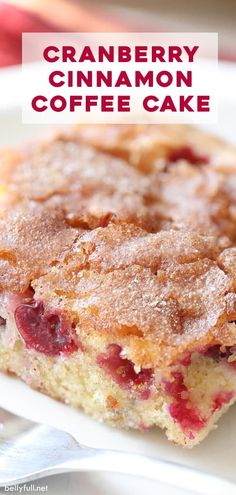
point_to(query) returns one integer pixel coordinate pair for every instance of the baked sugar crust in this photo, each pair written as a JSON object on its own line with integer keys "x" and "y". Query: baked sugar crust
{"x": 117, "y": 280}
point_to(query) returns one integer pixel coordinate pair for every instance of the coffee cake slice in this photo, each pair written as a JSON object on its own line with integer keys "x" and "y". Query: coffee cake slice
{"x": 136, "y": 328}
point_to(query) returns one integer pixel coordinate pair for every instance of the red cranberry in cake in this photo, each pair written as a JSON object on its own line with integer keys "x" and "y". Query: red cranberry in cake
{"x": 221, "y": 353}
{"x": 187, "y": 153}
{"x": 123, "y": 372}
{"x": 181, "y": 410}
{"x": 104, "y": 220}
{"x": 220, "y": 399}
{"x": 2, "y": 322}
{"x": 43, "y": 330}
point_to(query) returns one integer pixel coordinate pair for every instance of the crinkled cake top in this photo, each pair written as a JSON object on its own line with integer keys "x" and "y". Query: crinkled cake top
{"x": 167, "y": 292}
{"x": 84, "y": 182}
{"x": 32, "y": 240}
{"x": 189, "y": 183}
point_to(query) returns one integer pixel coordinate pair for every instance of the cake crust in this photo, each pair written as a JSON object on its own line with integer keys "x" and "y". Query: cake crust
{"x": 117, "y": 274}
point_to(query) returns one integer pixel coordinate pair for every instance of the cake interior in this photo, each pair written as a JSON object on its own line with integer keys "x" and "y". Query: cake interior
{"x": 185, "y": 399}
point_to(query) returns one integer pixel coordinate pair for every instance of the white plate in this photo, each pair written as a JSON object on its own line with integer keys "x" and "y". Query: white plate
{"x": 217, "y": 454}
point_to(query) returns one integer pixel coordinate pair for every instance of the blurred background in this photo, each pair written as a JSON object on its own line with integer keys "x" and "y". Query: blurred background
{"x": 17, "y": 16}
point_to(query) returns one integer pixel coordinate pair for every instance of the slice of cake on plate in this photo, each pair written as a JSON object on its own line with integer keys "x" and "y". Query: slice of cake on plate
{"x": 117, "y": 279}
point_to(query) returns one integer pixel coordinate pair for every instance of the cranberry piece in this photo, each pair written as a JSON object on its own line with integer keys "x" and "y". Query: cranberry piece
{"x": 45, "y": 331}
{"x": 232, "y": 365}
{"x": 106, "y": 219}
{"x": 123, "y": 373}
{"x": 187, "y": 153}
{"x": 2, "y": 322}
{"x": 186, "y": 359}
{"x": 220, "y": 399}
{"x": 188, "y": 418}
{"x": 213, "y": 352}
{"x": 216, "y": 353}
{"x": 176, "y": 386}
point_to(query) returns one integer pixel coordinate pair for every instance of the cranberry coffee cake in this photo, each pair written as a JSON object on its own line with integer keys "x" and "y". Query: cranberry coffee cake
{"x": 118, "y": 274}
